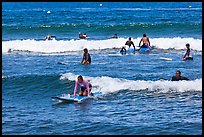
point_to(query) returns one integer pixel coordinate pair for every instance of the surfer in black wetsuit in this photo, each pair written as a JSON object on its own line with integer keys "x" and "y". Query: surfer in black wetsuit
{"x": 129, "y": 43}
{"x": 187, "y": 53}
{"x": 178, "y": 76}
{"x": 86, "y": 57}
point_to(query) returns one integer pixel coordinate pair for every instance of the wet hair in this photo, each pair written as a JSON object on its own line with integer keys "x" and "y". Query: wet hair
{"x": 85, "y": 49}
{"x": 179, "y": 71}
{"x": 129, "y": 38}
{"x": 144, "y": 35}
{"x": 187, "y": 45}
{"x": 80, "y": 77}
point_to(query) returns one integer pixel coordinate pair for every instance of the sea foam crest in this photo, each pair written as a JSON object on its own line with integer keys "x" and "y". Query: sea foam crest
{"x": 109, "y": 84}
{"x": 56, "y": 46}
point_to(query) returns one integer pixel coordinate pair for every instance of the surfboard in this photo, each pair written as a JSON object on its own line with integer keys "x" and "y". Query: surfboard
{"x": 62, "y": 63}
{"x": 137, "y": 48}
{"x": 168, "y": 59}
{"x": 130, "y": 50}
{"x": 70, "y": 98}
{"x": 144, "y": 50}
{"x": 188, "y": 58}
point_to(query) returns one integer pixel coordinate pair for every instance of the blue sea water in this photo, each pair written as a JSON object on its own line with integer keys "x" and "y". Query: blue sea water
{"x": 136, "y": 101}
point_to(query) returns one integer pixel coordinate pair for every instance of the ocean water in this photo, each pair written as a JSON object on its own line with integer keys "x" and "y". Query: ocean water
{"x": 136, "y": 101}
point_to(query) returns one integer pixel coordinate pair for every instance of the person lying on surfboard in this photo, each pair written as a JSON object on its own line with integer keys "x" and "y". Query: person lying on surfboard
{"x": 187, "y": 52}
{"x": 129, "y": 43}
{"x": 85, "y": 87}
{"x": 146, "y": 42}
{"x": 178, "y": 76}
{"x": 86, "y": 59}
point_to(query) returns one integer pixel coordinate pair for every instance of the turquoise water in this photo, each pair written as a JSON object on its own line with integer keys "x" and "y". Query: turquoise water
{"x": 136, "y": 101}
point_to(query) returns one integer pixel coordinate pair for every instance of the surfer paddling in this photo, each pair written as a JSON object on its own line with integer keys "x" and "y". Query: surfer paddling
{"x": 178, "y": 76}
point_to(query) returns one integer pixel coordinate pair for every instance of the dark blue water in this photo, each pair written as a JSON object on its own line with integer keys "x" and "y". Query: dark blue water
{"x": 65, "y": 20}
{"x": 136, "y": 101}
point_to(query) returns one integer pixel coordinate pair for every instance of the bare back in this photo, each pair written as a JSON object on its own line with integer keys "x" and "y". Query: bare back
{"x": 145, "y": 40}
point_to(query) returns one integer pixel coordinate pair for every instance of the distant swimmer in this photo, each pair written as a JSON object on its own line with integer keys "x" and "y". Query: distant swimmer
{"x": 187, "y": 55}
{"x": 85, "y": 87}
{"x": 86, "y": 57}
{"x": 146, "y": 42}
{"x": 178, "y": 76}
{"x": 115, "y": 36}
{"x": 129, "y": 43}
{"x": 49, "y": 37}
{"x": 83, "y": 36}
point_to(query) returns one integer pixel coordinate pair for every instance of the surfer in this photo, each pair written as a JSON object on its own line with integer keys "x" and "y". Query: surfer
{"x": 178, "y": 76}
{"x": 129, "y": 43}
{"x": 86, "y": 59}
{"x": 81, "y": 36}
{"x": 49, "y": 37}
{"x": 85, "y": 87}
{"x": 115, "y": 36}
{"x": 187, "y": 52}
{"x": 146, "y": 42}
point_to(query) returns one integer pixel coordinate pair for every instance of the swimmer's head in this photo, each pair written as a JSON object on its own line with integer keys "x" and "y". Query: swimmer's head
{"x": 187, "y": 45}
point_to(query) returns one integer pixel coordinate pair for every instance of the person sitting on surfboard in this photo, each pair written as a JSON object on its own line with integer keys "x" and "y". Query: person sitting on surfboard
{"x": 178, "y": 76}
{"x": 146, "y": 42}
{"x": 85, "y": 87}
{"x": 129, "y": 43}
{"x": 81, "y": 36}
{"x": 187, "y": 52}
{"x": 86, "y": 59}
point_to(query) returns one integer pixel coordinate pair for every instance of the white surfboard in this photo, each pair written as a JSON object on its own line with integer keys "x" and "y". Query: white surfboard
{"x": 168, "y": 59}
{"x": 70, "y": 98}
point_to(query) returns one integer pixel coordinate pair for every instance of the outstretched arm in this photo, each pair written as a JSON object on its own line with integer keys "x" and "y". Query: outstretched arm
{"x": 140, "y": 42}
{"x": 187, "y": 52}
{"x": 75, "y": 88}
{"x": 82, "y": 59}
{"x": 185, "y": 55}
{"x": 133, "y": 46}
{"x": 149, "y": 42}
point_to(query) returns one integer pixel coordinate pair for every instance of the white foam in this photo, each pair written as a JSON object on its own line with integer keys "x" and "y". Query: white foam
{"x": 55, "y": 46}
{"x": 109, "y": 84}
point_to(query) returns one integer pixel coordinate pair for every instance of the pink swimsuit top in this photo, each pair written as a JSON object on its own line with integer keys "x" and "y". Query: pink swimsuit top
{"x": 83, "y": 84}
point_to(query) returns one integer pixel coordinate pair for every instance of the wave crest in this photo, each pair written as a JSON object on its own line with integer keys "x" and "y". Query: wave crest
{"x": 109, "y": 84}
{"x": 60, "y": 46}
